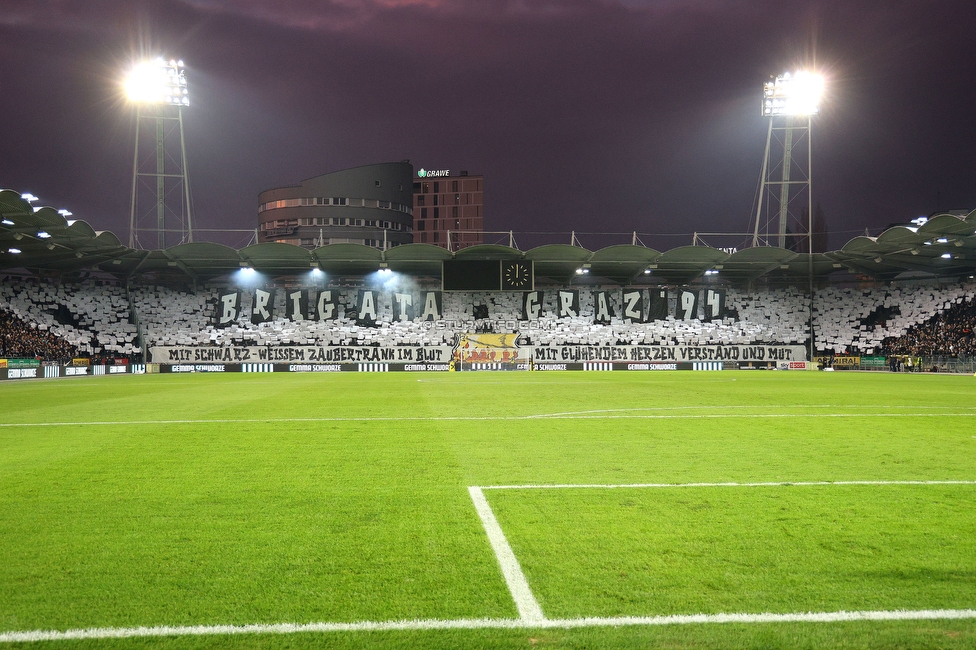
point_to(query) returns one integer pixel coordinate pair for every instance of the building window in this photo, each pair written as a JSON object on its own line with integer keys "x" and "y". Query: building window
{"x": 457, "y": 224}
{"x": 435, "y": 226}
{"x": 359, "y": 222}
{"x": 420, "y": 225}
{"x": 436, "y": 235}
{"x": 435, "y": 199}
{"x": 454, "y": 186}
{"x": 423, "y": 237}
{"x": 377, "y": 183}
{"x": 457, "y": 199}
{"x": 338, "y": 201}
{"x": 454, "y": 211}
{"x": 416, "y": 187}
{"x": 437, "y": 213}
{"x": 420, "y": 200}
{"x": 426, "y": 188}
{"x": 423, "y": 213}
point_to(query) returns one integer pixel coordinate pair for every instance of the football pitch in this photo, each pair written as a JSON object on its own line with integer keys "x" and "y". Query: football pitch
{"x": 509, "y": 510}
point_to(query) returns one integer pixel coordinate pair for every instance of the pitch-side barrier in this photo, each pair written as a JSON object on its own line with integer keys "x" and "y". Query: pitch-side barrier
{"x": 61, "y": 371}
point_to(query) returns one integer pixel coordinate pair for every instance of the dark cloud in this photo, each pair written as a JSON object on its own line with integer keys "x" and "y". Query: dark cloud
{"x": 586, "y": 115}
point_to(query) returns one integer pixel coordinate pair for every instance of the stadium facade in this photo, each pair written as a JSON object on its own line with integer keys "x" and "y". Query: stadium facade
{"x": 370, "y": 205}
{"x": 349, "y": 305}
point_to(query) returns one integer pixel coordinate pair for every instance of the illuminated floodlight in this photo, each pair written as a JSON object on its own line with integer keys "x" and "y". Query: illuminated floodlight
{"x": 64, "y": 213}
{"x": 947, "y": 256}
{"x": 793, "y": 94}
{"x": 157, "y": 82}
{"x": 247, "y": 276}
{"x": 28, "y": 197}
{"x": 7, "y": 222}
{"x": 14, "y": 251}
{"x": 44, "y": 235}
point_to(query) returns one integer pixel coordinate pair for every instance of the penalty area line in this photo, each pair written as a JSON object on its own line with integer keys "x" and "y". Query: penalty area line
{"x": 528, "y": 607}
{"x": 604, "y": 486}
{"x": 483, "y": 624}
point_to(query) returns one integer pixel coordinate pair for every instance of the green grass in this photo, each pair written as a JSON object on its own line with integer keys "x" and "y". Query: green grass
{"x": 360, "y": 512}
{"x": 634, "y": 552}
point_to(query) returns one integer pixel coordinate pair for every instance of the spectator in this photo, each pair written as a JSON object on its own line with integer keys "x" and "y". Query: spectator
{"x": 20, "y": 340}
{"x": 950, "y": 332}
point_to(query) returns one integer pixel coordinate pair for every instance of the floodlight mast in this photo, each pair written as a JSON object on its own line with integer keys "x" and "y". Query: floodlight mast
{"x": 789, "y": 101}
{"x": 159, "y": 91}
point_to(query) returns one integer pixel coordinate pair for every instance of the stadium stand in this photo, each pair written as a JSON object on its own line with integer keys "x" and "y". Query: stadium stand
{"x": 949, "y": 332}
{"x": 92, "y": 317}
{"x": 102, "y": 318}
{"x": 22, "y": 340}
{"x": 843, "y": 322}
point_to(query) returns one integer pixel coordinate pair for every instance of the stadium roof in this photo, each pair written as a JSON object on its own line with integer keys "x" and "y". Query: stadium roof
{"x": 42, "y": 240}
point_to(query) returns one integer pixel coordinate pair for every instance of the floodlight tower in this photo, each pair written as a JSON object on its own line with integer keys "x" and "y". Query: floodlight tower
{"x": 160, "y": 185}
{"x": 789, "y": 101}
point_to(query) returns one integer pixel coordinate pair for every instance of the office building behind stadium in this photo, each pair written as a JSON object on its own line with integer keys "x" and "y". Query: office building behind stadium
{"x": 448, "y": 210}
{"x": 369, "y": 205}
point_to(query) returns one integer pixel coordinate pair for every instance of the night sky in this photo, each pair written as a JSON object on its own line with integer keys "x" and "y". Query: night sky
{"x": 586, "y": 115}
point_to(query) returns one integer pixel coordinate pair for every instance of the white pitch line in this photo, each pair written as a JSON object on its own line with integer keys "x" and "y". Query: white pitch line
{"x": 729, "y": 407}
{"x": 482, "y": 624}
{"x": 528, "y": 607}
{"x": 487, "y": 418}
{"x": 564, "y": 486}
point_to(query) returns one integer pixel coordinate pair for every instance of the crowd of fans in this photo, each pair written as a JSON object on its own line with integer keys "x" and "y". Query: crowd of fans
{"x": 20, "y": 340}
{"x": 948, "y": 333}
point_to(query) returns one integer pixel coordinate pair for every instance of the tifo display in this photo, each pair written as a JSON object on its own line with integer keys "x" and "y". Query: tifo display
{"x": 408, "y": 327}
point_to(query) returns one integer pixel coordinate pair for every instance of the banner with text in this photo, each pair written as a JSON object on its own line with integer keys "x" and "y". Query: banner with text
{"x": 664, "y": 353}
{"x": 472, "y": 347}
{"x": 301, "y": 353}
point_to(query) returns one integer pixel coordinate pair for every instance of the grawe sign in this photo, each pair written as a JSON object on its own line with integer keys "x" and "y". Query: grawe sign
{"x": 433, "y": 173}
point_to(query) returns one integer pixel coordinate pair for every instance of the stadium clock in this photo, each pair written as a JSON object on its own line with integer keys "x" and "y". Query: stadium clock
{"x": 517, "y": 276}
